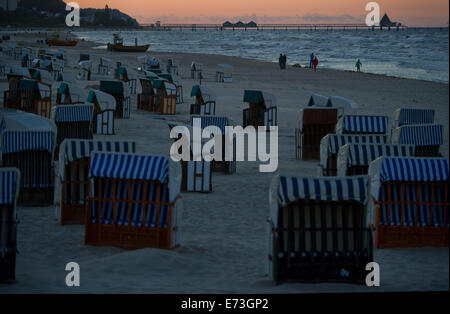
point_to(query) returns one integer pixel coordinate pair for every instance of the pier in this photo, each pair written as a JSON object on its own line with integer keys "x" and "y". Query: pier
{"x": 262, "y": 27}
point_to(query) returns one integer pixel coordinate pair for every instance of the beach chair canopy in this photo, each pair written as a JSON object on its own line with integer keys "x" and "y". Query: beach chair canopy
{"x": 405, "y": 116}
{"x": 75, "y": 149}
{"x": 167, "y": 77}
{"x": 42, "y": 75}
{"x": 316, "y": 116}
{"x": 345, "y": 105}
{"x": 287, "y": 189}
{"x": 9, "y": 185}
{"x": 264, "y": 98}
{"x": 21, "y": 131}
{"x": 419, "y": 135}
{"x": 206, "y": 93}
{"x": 85, "y": 65}
{"x": 396, "y": 170}
{"x": 220, "y": 122}
{"x": 351, "y": 155}
{"x": 105, "y": 101}
{"x": 151, "y": 75}
{"x": 331, "y": 143}
{"x": 198, "y": 66}
{"x": 169, "y": 88}
{"x": 362, "y": 124}
{"x": 72, "y": 90}
{"x": 112, "y": 87}
{"x": 138, "y": 167}
{"x": 73, "y": 113}
{"x": 317, "y": 100}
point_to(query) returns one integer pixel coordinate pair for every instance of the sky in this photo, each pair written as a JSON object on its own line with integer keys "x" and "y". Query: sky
{"x": 407, "y": 12}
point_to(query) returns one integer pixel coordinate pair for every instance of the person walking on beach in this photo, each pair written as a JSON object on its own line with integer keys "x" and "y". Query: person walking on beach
{"x": 315, "y": 63}
{"x": 311, "y": 60}
{"x": 280, "y": 61}
{"x": 284, "y": 61}
{"x": 358, "y": 65}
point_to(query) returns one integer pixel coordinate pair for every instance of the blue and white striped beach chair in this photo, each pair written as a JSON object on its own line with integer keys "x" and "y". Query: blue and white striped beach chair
{"x": 9, "y": 191}
{"x": 354, "y": 159}
{"x": 74, "y": 161}
{"x": 410, "y": 201}
{"x": 330, "y": 144}
{"x": 355, "y": 124}
{"x": 135, "y": 201}
{"x": 406, "y": 116}
{"x": 318, "y": 229}
{"x": 73, "y": 121}
{"x": 27, "y": 142}
{"x": 221, "y": 123}
{"x": 427, "y": 138}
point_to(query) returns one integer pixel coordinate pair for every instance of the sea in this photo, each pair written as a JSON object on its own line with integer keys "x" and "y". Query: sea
{"x": 417, "y": 53}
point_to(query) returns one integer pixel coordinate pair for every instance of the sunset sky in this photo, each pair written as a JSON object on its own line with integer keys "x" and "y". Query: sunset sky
{"x": 408, "y": 12}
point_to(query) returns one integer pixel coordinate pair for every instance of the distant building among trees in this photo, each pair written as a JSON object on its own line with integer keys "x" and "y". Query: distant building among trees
{"x": 386, "y": 22}
{"x": 240, "y": 24}
{"x": 9, "y": 5}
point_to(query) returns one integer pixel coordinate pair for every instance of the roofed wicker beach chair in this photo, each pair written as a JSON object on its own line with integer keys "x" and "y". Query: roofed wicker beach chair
{"x": 202, "y": 122}
{"x": 313, "y": 124}
{"x": 176, "y": 81}
{"x": 262, "y": 109}
{"x": 69, "y": 94}
{"x": 74, "y": 161}
{"x": 104, "y": 108}
{"x": 355, "y": 124}
{"x": 196, "y": 70}
{"x": 165, "y": 98}
{"x": 72, "y": 121}
{"x": 9, "y": 192}
{"x": 121, "y": 93}
{"x": 410, "y": 201}
{"x": 318, "y": 229}
{"x": 145, "y": 99}
{"x": 105, "y": 66}
{"x": 205, "y": 101}
{"x": 14, "y": 75}
{"x": 427, "y": 138}
{"x": 27, "y": 142}
{"x": 84, "y": 70}
{"x": 331, "y": 143}
{"x": 173, "y": 66}
{"x": 135, "y": 201}
{"x": 33, "y": 97}
{"x": 354, "y": 159}
{"x": 130, "y": 80}
{"x": 224, "y": 74}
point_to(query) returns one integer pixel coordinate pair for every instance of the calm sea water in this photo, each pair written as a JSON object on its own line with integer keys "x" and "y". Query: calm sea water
{"x": 412, "y": 53}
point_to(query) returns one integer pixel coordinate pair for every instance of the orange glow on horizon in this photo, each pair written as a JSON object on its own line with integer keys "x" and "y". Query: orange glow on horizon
{"x": 407, "y": 12}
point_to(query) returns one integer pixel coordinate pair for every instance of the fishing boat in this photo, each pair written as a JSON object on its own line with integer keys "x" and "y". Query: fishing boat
{"x": 61, "y": 42}
{"x": 118, "y": 46}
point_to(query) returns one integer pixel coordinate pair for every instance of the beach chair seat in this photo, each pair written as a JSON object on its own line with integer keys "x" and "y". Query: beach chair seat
{"x": 331, "y": 143}
{"x": 410, "y": 204}
{"x": 313, "y": 125}
{"x": 202, "y": 122}
{"x": 356, "y": 124}
{"x": 205, "y": 101}
{"x": 354, "y": 159}
{"x": 74, "y": 161}
{"x": 318, "y": 229}
{"x": 9, "y": 192}
{"x": 427, "y": 138}
{"x": 137, "y": 208}
{"x": 84, "y": 70}
{"x": 262, "y": 109}
{"x": 196, "y": 71}
{"x": 104, "y": 109}
{"x": 73, "y": 121}
{"x": 28, "y": 143}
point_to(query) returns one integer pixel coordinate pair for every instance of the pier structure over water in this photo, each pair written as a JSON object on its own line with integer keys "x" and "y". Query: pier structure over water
{"x": 261, "y": 27}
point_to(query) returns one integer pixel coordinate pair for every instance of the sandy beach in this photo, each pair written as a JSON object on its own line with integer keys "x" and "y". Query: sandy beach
{"x": 224, "y": 233}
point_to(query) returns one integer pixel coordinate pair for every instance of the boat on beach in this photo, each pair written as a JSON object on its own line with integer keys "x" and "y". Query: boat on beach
{"x": 117, "y": 45}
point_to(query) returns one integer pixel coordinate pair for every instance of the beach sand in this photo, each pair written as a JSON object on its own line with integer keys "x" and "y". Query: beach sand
{"x": 224, "y": 233}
